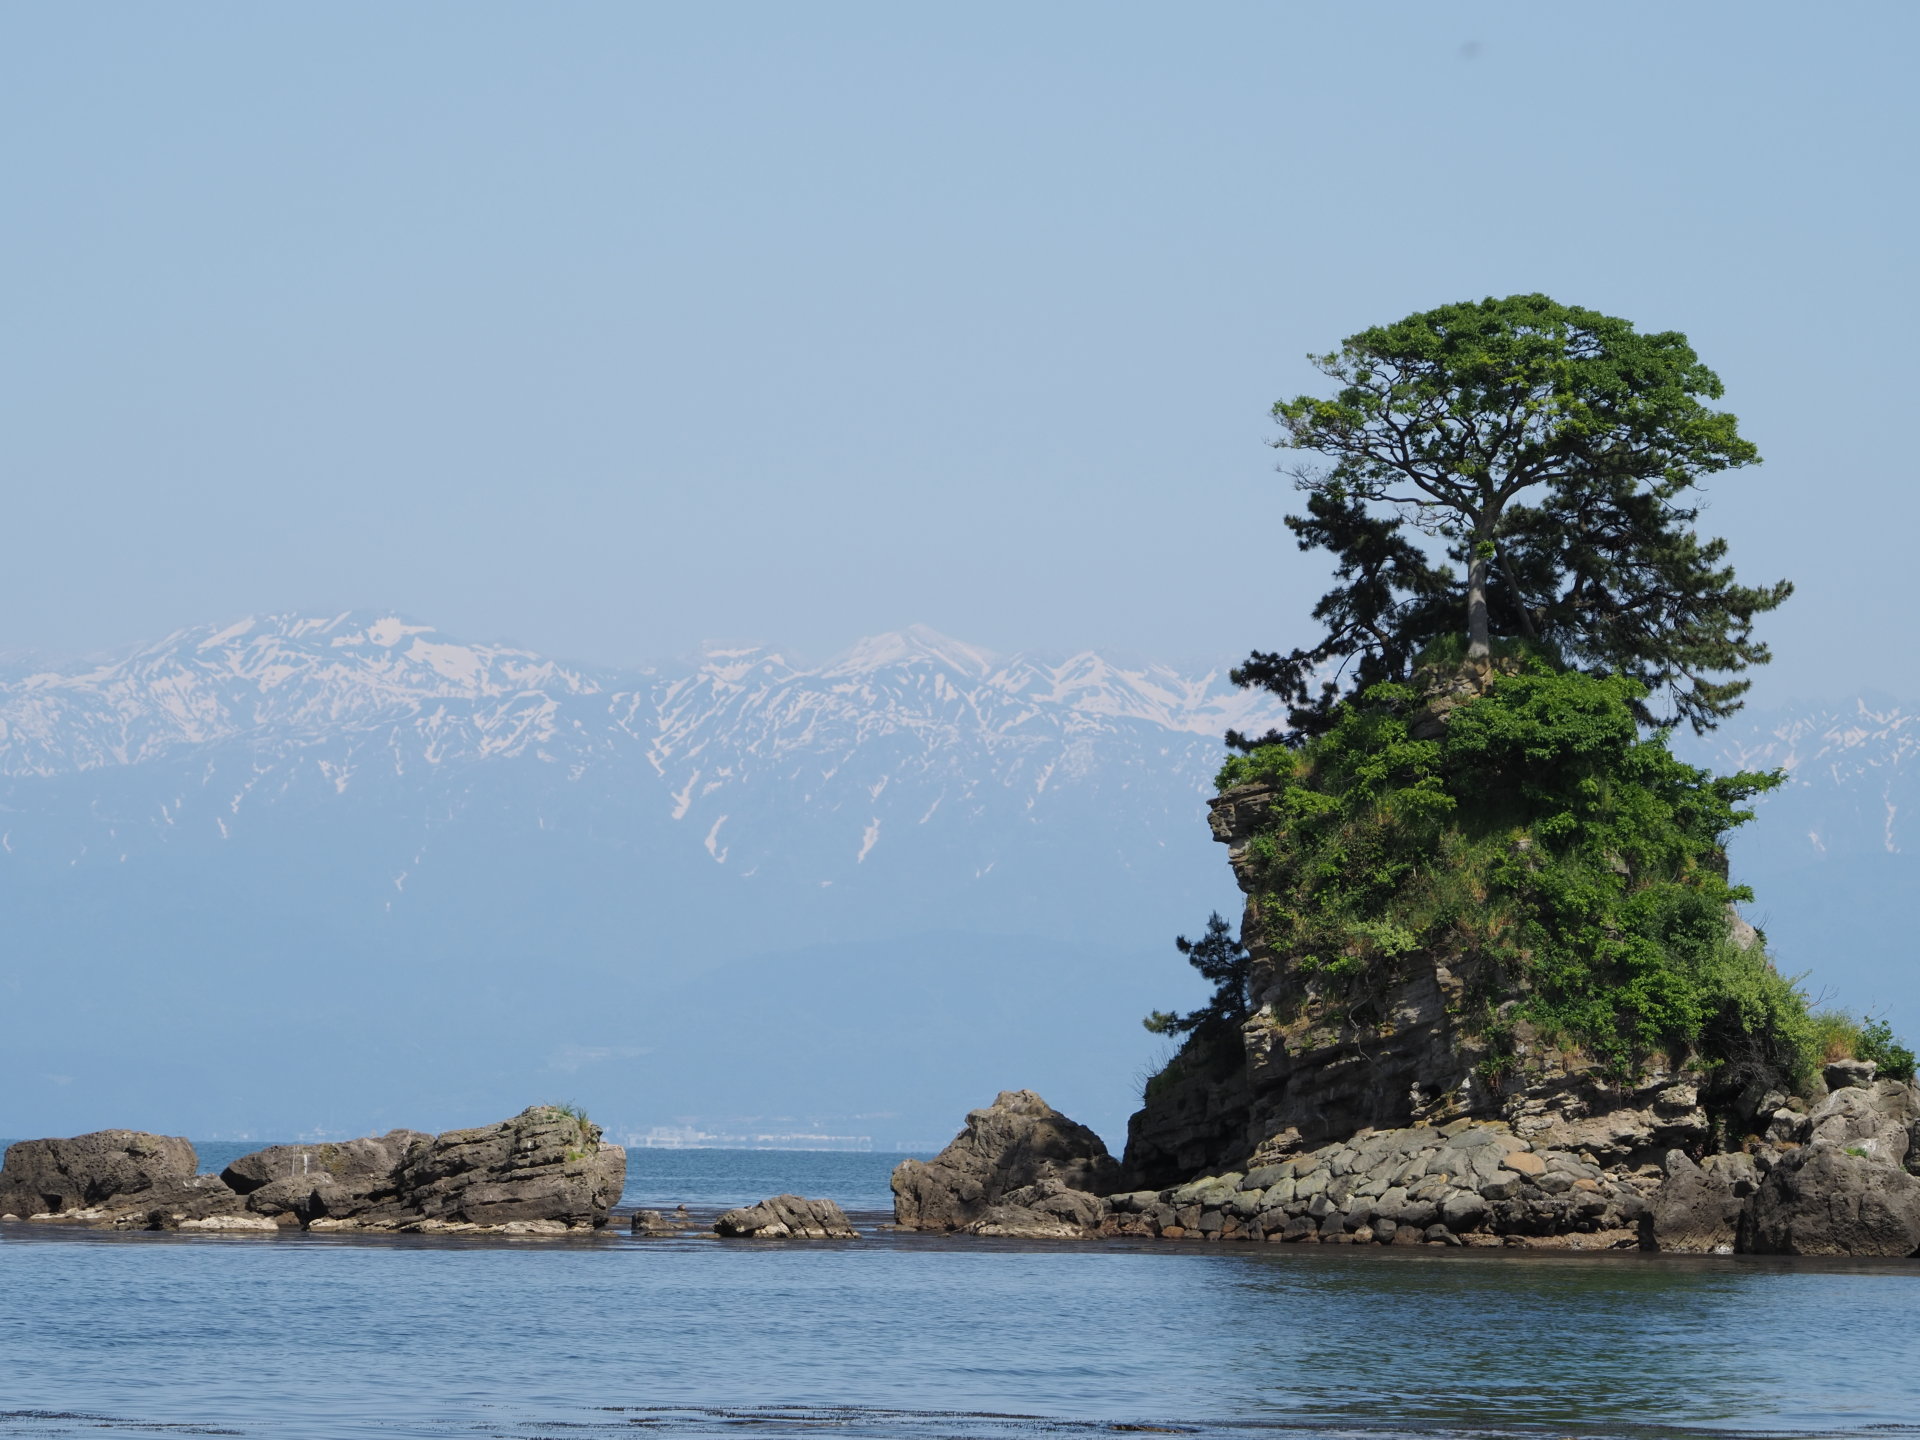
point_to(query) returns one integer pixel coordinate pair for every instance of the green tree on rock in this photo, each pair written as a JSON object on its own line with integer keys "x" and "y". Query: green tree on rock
{"x": 1219, "y": 957}
{"x": 1550, "y": 455}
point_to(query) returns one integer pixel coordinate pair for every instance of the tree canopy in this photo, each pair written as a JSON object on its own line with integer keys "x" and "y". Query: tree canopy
{"x": 1517, "y": 469}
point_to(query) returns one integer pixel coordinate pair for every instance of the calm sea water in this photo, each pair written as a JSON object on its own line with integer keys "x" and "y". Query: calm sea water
{"x": 323, "y": 1337}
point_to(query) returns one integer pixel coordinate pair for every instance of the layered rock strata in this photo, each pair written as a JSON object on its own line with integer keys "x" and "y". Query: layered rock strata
{"x": 786, "y": 1217}
{"x": 1828, "y": 1179}
{"x": 543, "y": 1172}
{"x": 1019, "y": 1168}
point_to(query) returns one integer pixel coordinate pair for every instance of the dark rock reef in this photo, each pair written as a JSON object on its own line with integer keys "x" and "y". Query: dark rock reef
{"x": 546, "y": 1171}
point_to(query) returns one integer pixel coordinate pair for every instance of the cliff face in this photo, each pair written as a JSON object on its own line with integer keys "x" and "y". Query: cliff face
{"x": 1308, "y": 1070}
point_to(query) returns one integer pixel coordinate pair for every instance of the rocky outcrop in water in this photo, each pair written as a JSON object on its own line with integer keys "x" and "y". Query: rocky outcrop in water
{"x": 299, "y": 1184}
{"x": 1826, "y": 1200}
{"x": 1839, "y": 1181}
{"x": 660, "y": 1225}
{"x": 543, "y": 1172}
{"x": 1008, "y": 1169}
{"x": 1698, "y": 1208}
{"x": 786, "y": 1217}
{"x": 1832, "y": 1179}
{"x": 105, "y": 1170}
{"x": 1303, "y": 1072}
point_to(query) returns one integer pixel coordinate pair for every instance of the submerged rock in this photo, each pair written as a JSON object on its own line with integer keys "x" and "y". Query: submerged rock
{"x": 658, "y": 1224}
{"x": 1017, "y": 1143}
{"x": 786, "y": 1217}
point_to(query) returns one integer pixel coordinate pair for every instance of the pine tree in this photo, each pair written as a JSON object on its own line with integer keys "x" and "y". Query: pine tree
{"x": 1550, "y": 454}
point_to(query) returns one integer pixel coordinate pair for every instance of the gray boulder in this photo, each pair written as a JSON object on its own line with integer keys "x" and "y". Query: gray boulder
{"x": 787, "y": 1217}
{"x": 1877, "y": 1119}
{"x": 1849, "y": 1074}
{"x": 304, "y": 1183}
{"x": 199, "y": 1202}
{"x": 545, "y": 1169}
{"x": 1044, "y": 1211}
{"x": 1017, "y": 1142}
{"x": 657, "y": 1223}
{"x": 1698, "y": 1208}
{"x": 90, "y": 1172}
{"x": 1825, "y": 1200}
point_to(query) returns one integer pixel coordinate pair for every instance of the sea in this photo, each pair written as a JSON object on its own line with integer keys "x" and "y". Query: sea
{"x": 308, "y": 1337}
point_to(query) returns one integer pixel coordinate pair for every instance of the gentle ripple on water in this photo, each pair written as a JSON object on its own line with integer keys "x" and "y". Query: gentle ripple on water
{"x": 300, "y": 1338}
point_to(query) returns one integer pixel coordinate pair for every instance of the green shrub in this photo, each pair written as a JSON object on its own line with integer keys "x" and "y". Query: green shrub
{"x": 1833, "y": 1035}
{"x": 1541, "y": 847}
{"x": 1877, "y": 1043}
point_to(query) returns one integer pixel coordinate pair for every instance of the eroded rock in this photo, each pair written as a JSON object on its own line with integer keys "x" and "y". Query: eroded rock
{"x": 787, "y": 1217}
{"x": 1014, "y": 1144}
{"x": 543, "y": 1166}
{"x": 335, "y": 1180}
{"x": 1828, "y": 1200}
{"x": 107, "y": 1170}
{"x": 1698, "y": 1208}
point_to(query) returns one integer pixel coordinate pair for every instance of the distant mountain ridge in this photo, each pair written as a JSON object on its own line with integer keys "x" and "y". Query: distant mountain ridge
{"x": 419, "y": 879}
{"x": 362, "y": 797}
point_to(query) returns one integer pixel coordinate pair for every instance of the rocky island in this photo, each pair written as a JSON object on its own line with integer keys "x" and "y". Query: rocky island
{"x": 1491, "y": 984}
{"x": 544, "y": 1172}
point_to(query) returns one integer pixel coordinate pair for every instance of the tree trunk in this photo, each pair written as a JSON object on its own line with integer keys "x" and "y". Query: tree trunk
{"x": 1479, "y": 643}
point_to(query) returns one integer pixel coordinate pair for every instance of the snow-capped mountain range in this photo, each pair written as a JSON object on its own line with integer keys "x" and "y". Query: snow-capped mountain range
{"x": 363, "y": 797}
{"x": 359, "y": 699}
{"x": 417, "y": 879}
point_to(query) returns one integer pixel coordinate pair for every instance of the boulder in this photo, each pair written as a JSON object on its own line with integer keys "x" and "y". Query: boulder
{"x": 199, "y": 1202}
{"x": 89, "y": 1172}
{"x": 304, "y": 1183}
{"x": 1849, "y": 1074}
{"x": 786, "y": 1217}
{"x": 1017, "y": 1142}
{"x": 1878, "y": 1119}
{"x": 1698, "y": 1208}
{"x": 1044, "y": 1211}
{"x": 1829, "y": 1200}
{"x": 545, "y": 1166}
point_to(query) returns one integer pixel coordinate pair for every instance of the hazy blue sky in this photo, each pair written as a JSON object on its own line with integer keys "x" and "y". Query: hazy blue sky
{"x": 608, "y": 327}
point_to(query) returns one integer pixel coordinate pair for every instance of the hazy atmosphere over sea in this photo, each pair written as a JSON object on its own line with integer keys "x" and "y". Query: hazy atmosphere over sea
{"x": 612, "y": 329}
{"x": 675, "y": 568}
{"x": 628, "y": 335}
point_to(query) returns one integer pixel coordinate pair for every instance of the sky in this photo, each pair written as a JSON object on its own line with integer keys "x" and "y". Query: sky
{"x": 609, "y": 328}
